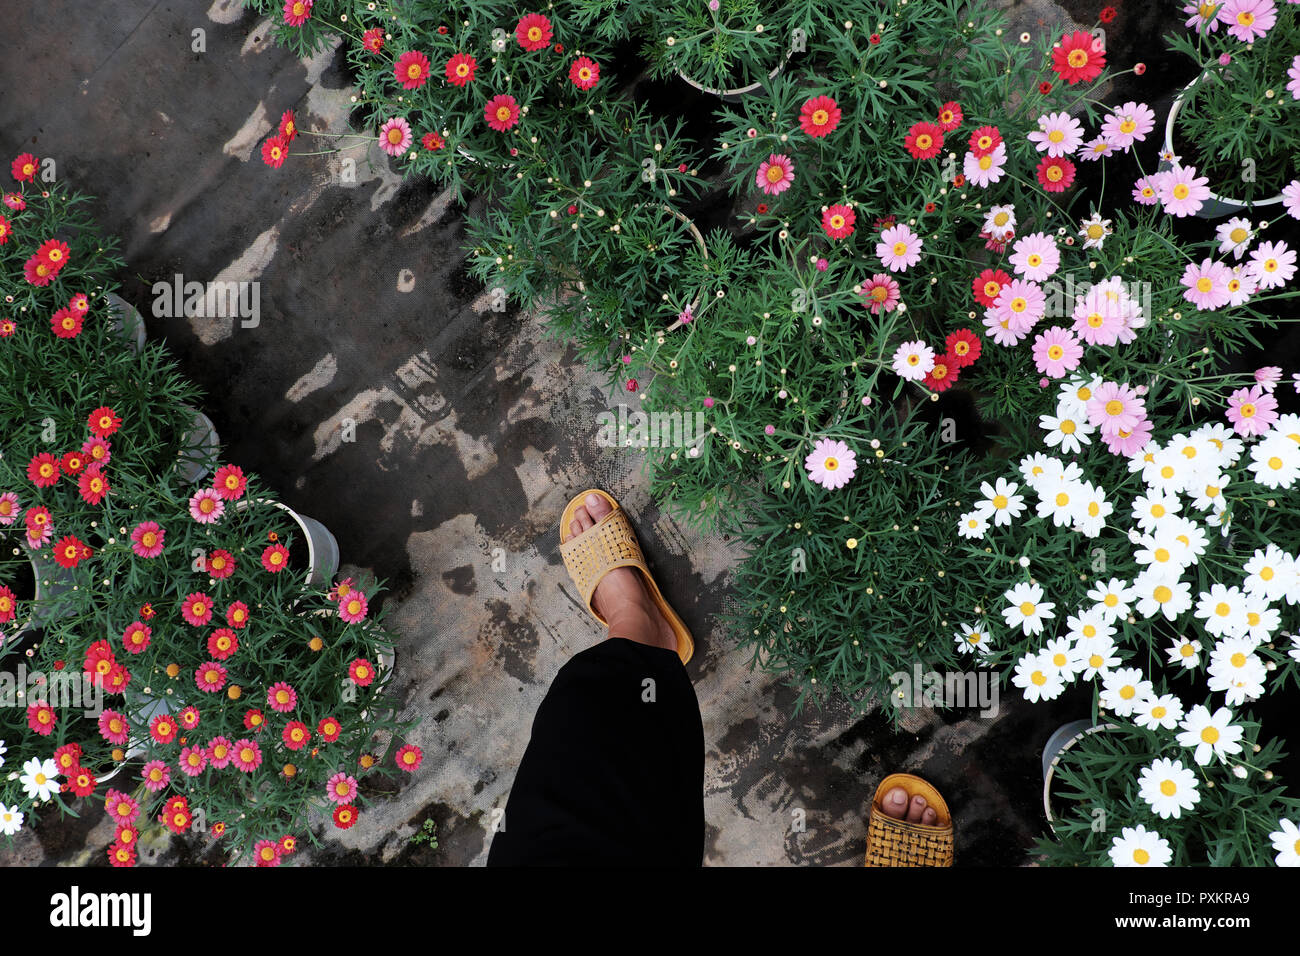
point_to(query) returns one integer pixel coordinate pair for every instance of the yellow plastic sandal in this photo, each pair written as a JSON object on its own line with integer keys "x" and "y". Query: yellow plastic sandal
{"x": 894, "y": 842}
{"x": 612, "y": 544}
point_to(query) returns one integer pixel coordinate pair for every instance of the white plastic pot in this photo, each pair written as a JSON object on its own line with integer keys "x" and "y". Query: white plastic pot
{"x": 739, "y": 93}
{"x": 127, "y": 321}
{"x": 1064, "y": 737}
{"x": 322, "y": 548}
{"x": 1216, "y": 206}
{"x": 200, "y": 447}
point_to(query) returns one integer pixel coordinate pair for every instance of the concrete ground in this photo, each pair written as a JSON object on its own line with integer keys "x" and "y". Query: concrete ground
{"x": 471, "y": 432}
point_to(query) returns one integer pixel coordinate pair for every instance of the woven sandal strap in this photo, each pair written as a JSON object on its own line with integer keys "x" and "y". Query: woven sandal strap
{"x": 598, "y": 550}
{"x": 894, "y": 842}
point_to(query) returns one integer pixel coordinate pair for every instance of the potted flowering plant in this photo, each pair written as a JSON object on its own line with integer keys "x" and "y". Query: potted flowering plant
{"x": 169, "y": 643}
{"x": 1248, "y": 54}
{"x": 728, "y": 48}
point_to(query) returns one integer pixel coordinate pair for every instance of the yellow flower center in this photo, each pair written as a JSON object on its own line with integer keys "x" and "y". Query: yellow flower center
{"x": 1027, "y": 608}
{"x": 1162, "y": 594}
{"x": 1168, "y": 788}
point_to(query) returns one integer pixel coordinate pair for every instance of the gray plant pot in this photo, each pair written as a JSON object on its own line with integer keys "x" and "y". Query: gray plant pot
{"x": 739, "y": 93}
{"x": 200, "y": 447}
{"x": 322, "y": 548}
{"x": 1062, "y": 739}
{"x": 127, "y": 320}
{"x": 1216, "y": 206}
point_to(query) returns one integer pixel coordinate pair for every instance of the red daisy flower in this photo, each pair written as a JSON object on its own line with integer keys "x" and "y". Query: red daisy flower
{"x": 73, "y": 462}
{"x": 103, "y": 421}
{"x": 237, "y": 615}
{"x": 117, "y": 679}
{"x": 93, "y": 486}
{"x": 114, "y": 728}
{"x": 984, "y": 140}
{"x": 254, "y": 720}
{"x": 297, "y": 12}
{"x": 220, "y": 564}
{"x": 533, "y": 32}
{"x": 196, "y": 609}
{"x": 959, "y": 180}
{"x": 296, "y": 735}
{"x": 71, "y": 551}
{"x": 988, "y": 284}
{"x": 345, "y": 814}
{"x": 266, "y": 853}
{"x": 1044, "y": 87}
{"x": 289, "y": 842}
{"x": 837, "y": 221}
{"x": 136, "y": 637}
{"x": 1079, "y": 57}
{"x": 409, "y": 757}
{"x": 412, "y": 70}
{"x": 275, "y": 151}
{"x": 79, "y": 303}
{"x": 963, "y": 347}
{"x": 930, "y": 207}
{"x": 873, "y": 39}
{"x": 81, "y": 782}
{"x": 55, "y": 252}
{"x": 189, "y": 717}
{"x": 66, "y": 323}
{"x": 24, "y": 168}
{"x": 176, "y": 818}
{"x": 222, "y": 643}
{"x": 7, "y": 325}
{"x": 97, "y": 450}
{"x": 924, "y": 140}
{"x": 281, "y": 697}
{"x": 819, "y": 116}
{"x": 361, "y": 672}
{"x": 584, "y": 73}
{"x": 432, "y": 141}
{"x": 147, "y": 612}
{"x": 950, "y": 116}
{"x": 163, "y": 728}
{"x": 43, "y": 470}
{"x": 67, "y": 757}
{"x": 1055, "y": 173}
{"x": 373, "y": 39}
{"x": 329, "y": 729}
{"x": 229, "y": 482}
{"x": 275, "y": 558}
{"x": 15, "y": 201}
{"x": 246, "y": 755}
{"x": 210, "y": 677}
{"x": 39, "y": 272}
{"x": 121, "y": 854}
{"x": 126, "y": 834}
{"x": 288, "y": 126}
{"x": 1107, "y": 14}
{"x": 99, "y": 659}
{"x": 460, "y": 69}
{"x": 501, "y": 112}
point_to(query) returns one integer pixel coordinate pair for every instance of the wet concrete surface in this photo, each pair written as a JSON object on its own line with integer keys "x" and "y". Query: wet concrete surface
{"x": 439, "y": 440}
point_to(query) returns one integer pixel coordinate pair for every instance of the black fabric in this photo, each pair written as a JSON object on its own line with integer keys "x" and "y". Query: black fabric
{"x": 610, "y": 777}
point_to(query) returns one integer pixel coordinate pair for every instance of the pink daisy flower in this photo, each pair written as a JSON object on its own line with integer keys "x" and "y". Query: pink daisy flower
{"x": 210, "y": 677}
{"x": 156, "y": 775}
{"x": 1057, "y": 351}
{"x": 1097, "y": 319}
{"x": 353, "y": 607}
{"x": 1182, "y": 193}
{"x": 341, "y": 788}
{"x": 122, "y": 807}
{"x": 196, "y": 609}
{"x": 114, "y": 728}
{"x": 984, "y": 170}
{"x": 1248, "y": 20}
{"x": 1268, "y": 377}
{"x": 838, "y": 220}
{"x": 1294, "y": 73}
{"x": 1128, "y": 124}
{"x": 1146, "y": 191}
{"x": 1128, "y": 443}
{"x": 1115, "y": 407}
{"x": 9, "y": 508}
{"x": 1272, "y": 265}
{"x": 899, "y": 247}
{"x": 147, "y": 539}
{"x": 1035, "y": 256}
{"x": 193, "y": 761}
{"x": 395, "y": 136}
{"x": 206, "y": 506}
{"x": 1021, "y": 303}
{"x": 246, "y": 755}
{"x": 1291, "y": 197}
{"x": 880, "y": 293}
{"x": 266, "y": 853}
{"x": 1203, "y": 16}
{"x": 297, "y": 12}
{"x": 830, "y": 464}
{"x": 1241, "y": 286}
{"x": 1058, "y": 134}
{"x": 237, "y": 615}
{"x": 220, "y": 752}
{"x": 281, "y": 697}
{"x": 97, "y": 449}
{"x": 1206, "y": 284}
{"x": 775, "y": 174}
{"x": 1001, "y": 330}
{"x": 1252, "y": 411}
{"x": 1098, "y": 148}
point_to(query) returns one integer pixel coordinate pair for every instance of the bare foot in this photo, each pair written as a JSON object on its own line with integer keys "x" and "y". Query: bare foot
{"x": 621, "y": 596}
{"x": 895, "y": 805}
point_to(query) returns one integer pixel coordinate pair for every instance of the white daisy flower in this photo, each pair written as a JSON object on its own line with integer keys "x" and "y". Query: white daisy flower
{"x": 1124, "y": 690}
{"x": 1224, "y": 439}
{"x": 973, "y": 639}
{"x": 1037, "y": 678}
{"x": 1093, "y": 510}
{"x": 1138, "y": 846}
{"x": 1162, "y": 556}
{"x": 1275, "y": 462}
{"x": 1266, "y": 572}
{"x": 913, "y": 361}
{"x": 1094, "y": 231}
{"x": 1168, "y": 787}
{"x": 1294, "y": 653}
{"x": 1262, "y": 619}
{"x": 1059, "y": 653}
{"x": 1201, "y": 454}
{"x": 1223, "y": 610}
{"x": 1184, "y": 652}
{"x": 1213, "y": 735}
{"x": 1065, "y": 431}
{"x": 1000, "y": 220}
{"x": 1075, "y": 394}
{"x": 1235, "y": 236}
{"x": 11, "y": 820}
{"x": 1026, "y": 608}
{"x": 1095, "y": 655}
{"x": 38, "y": 779}
{"x": 1113, "y": 598}
{"x": 1087, "y": 624}
{"x": 1236, "y": 671}
{"x": 1286, "y": 841}
{"x": 1163, "y": 712}
{"x": 1001, "y": 504}
{"x": 972, "y": 524}
{"x": 1157, "y": 594}
{"x": 1149, "y": 510}
{"x": 1060, "y": 501}
{"x": 1208, "y": 491}
{"x": 1138, "y": 463}
{"x": 1189, "y": 534}
{"x": 1033, "y": 468}
{"x": 1168, "y": 472}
